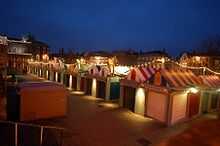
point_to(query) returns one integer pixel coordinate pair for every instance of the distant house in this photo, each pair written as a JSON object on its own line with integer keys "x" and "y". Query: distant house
{"x": 19, "y": 50}
{"x": 211, "y": 61}
{"x": 38, "y": 49}
{"x": 154, "y": 57}
{"x": 97, "y": 58}
{"x": 3, "y": 52}
{"x": 126, "y": 58}
{"x": 18, "y": 54}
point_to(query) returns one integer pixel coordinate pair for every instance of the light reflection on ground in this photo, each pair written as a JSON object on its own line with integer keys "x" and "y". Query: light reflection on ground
{"x": 135, "y": 117}
{"x": 77, "y": 92}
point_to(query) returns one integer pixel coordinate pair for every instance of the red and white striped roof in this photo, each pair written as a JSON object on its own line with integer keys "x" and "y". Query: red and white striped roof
{"x": 140, "y": 74}
{"x": 180, "y": 78}
{"x": 175, "y": 78}
{"x": 104, "y": 72}
{"x": 211, "y": 81}
{"x": 93, "y": 70}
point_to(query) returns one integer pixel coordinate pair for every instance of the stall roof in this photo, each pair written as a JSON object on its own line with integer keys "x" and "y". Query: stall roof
{"x": 104, "y": 72}
{"x": 211, "y": 81}
{"x": 140, "y": 74}
{"x": 175, "y": 78}
{"x": 94, "y": 70}
{"x": 180, "y": 78}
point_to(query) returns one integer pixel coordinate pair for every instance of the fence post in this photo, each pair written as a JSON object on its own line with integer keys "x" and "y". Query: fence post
{"x": 16, "y": 134}
{"x": 61, "y": 138}
{"x": 41, "y": 135}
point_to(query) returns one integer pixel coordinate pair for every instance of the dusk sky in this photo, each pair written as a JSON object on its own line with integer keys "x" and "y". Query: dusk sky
{"x": 113, "y": 24}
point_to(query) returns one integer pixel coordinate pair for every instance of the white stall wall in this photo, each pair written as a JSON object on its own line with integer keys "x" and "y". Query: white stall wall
{"x": 179, "y": 107}
{"x": 94, "y": 86}
{"x": 70, "y": 82}
{"x": 157, "y": 104}
{"x": 140, "y": 101}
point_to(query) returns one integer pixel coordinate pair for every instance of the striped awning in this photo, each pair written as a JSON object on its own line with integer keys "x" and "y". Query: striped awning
{"x": 140, "y": 74}
{"x": 93, "y": 70}
{"x": 180, "y": 78}
{"x": 211, "y": 81}
{"x": 104, "y": 72}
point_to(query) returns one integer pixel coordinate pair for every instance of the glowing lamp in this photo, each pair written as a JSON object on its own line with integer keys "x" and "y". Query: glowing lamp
{"x": 193, "y": 90}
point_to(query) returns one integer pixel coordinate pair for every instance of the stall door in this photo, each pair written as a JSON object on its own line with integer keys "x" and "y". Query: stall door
{"x": 82, "y": 84}
{"x": 114, "y": 90}
{"x": 129, "y": 98}
{"x": 38, "y": 72}
{"x": 59, "y": 77}
{"x": 43, "y": 73}
{"x": 66, "y": 80}
{"x": 156, "y": 106}
{"x": 214, "y": 101}
{"x": 48, "y": 78}
{"x": 74, "y": 82}
{"x": 54, "y": 76}
{"x": 193, "y": 104}
{"x": 205, "y": 101}
{"x": 88, "y": 86}
{"x": 101, "y": 88}
{"x": 179, "y": 107}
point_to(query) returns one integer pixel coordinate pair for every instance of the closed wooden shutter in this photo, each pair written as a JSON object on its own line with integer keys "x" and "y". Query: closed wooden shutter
{"x": 157, "y": 104}
{"x": 179, "y": 107}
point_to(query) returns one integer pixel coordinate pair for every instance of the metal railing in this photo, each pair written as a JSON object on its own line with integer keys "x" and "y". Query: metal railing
{"x": 23, "y": 134}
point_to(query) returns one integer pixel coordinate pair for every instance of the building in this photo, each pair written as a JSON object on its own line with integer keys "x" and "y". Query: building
{"x": 3, "y": 65}
{"x": 21, "y": 50}
{"x": 152, "y": 57}
{"x": 126, "y": 58}
{"x": 3, "y": 52}
{"x": 18, "y": 55}
{"x": 39, "y": 50}
{"x": 212, "y": 61}
{"x": 97, "y": 58}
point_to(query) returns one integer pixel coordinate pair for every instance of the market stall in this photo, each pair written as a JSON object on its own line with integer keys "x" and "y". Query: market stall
{"x": 132, "y": 87}
{"x": 174, "y": 96}
{"x": 90, "y": 81}
{"x": 210, "y": 97}
{"x": 40, "y": 100}
{"x": 168, "y": 96}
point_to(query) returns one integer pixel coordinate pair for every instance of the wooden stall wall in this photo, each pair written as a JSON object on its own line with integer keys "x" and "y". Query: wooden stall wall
{"x": 157, "y": 106}
{"x": 179, "y": 107}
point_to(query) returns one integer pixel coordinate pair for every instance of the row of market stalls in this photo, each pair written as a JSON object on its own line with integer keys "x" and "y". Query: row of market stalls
{"x": 169, "y": 96}
{"x": 94, "y": 80}
{"x": 166, "y": 95}
{"x": 101, "y": 84}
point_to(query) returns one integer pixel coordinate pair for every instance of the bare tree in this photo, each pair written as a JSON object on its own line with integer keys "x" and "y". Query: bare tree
{"x": 210, "y": 45}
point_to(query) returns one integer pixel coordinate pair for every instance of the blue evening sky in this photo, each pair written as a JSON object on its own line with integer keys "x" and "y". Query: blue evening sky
{"x": 176, "y": 25}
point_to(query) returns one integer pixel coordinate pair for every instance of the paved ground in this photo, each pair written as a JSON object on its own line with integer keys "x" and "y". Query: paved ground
{"x": 92, "y": 122}
{"x": 204, "y": 133}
